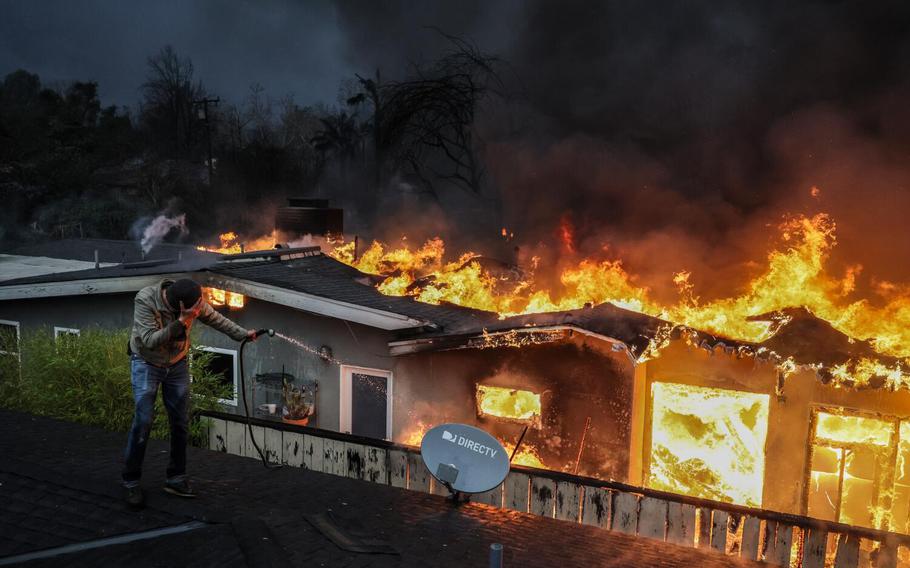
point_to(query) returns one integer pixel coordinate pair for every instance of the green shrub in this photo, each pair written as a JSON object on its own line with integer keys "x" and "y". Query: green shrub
{"x": 86, "y": 379}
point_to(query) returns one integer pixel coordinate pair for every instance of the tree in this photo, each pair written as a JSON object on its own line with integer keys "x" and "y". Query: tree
{"x": 425, "y": 125}
{"x": 167, "y": 110}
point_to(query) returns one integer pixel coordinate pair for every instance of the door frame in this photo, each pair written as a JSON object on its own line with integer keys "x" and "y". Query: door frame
{"x": 345, "y": 400}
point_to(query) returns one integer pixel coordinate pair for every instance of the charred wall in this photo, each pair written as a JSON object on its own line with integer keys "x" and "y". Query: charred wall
{"x": 578, "y": 378}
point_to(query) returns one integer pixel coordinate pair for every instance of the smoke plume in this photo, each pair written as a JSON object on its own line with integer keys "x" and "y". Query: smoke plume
{"x": 152, "y": 231}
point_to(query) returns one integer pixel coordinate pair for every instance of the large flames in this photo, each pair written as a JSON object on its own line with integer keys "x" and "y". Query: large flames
{"x": 794, "y": 276}
{"x": 508, "y": 404}
{"x": 708, "y": 442}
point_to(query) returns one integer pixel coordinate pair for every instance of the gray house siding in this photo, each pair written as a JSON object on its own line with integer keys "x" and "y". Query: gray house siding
{"x": 350, "y": 343}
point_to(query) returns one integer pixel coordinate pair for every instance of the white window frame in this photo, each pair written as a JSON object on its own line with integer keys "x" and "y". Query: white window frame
{"x": 18, "y": 337}
{"x": 345, "y": 401}
{"x": 232, "y": 353}
{"x": 69, "y": 330}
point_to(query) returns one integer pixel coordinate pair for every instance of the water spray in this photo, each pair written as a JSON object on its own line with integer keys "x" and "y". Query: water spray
{"x": 246, "y": 409}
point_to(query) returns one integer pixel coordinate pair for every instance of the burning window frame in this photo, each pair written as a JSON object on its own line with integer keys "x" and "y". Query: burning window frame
{"x": 533, "y": 420}
{"x": 887, "y": 471}
{"x": 652, "y": 477}
{"x": 231, "y": 300}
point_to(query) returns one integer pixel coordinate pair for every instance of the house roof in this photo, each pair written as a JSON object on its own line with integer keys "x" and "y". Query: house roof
{"x": 323, "y": 276}
{"x": 109, "y": 250}
{"x": 16, "y": 266}
{"x": 800, "y": 336}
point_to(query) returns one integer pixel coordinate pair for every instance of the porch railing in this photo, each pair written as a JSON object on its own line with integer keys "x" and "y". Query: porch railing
{"x": 756, "y": 534}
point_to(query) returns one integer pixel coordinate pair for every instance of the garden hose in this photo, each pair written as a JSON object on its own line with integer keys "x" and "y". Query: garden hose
{"x": 246, "y": 408}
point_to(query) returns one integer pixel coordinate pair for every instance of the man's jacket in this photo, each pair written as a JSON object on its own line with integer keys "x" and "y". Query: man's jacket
{"x": 159, "y": 337}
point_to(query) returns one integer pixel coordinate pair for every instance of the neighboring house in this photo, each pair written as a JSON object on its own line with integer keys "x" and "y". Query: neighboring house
{"x": 767, "y": 425}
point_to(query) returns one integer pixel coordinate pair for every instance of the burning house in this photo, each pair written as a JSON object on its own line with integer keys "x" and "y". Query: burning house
{"x": 801, "y": 418}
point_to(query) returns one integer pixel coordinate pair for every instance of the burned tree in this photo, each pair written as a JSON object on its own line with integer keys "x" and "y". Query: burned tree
{"x": 425, "y": 126}
{"x": 168, "y": 95}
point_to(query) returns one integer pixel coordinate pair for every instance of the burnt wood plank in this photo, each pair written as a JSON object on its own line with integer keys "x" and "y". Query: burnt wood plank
{"x": 339, "y": 462}
{"x": 814, "y": 548}
{"x": 492, "y": 497}
{"x": 273, "y": 445}
{"x": 292, "y": 449}
{"x": 354, "y": 460}
{"x": 543, "y": 496}
{"x": 625, "y": 512}
{"x": 681, "y": 524}
{"x": 596, "y": 505}
{"x": 258, "y": 434}
{"x": 314, "y": 452}
{"x": 887, "y": 554}
{"x": 418, "y": 475}
{"x": 652, "y": 518}
{"x": 375, "y": 468}
{"x": 568, "y": 502}
{"x": 329, "y": 456}
{"x": 751, "y": 536}
{"x": 847, "y": 552}
{"x": 218, "y": 434}
{"x": 780, "y": 542}
{"x": 398, "y": 468}
{"x": 719, "y": 522}
{"x": 516, "y": 490}
{"x": 236, "y": 438}
{"x": 704, "y": 527}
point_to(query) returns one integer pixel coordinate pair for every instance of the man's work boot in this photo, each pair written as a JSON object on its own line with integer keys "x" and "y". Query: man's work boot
{"x": 179, "y": 487}
{"x": 134, "y": 497}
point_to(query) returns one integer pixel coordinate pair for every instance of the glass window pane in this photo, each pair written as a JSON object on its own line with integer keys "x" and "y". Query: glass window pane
{"x": 369, "y": 405}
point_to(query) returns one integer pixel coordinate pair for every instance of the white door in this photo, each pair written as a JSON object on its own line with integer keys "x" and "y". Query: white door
{"x": 366, "y": 402}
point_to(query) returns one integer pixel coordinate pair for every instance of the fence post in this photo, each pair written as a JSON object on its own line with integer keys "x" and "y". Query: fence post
{"x": 496, "y": 555}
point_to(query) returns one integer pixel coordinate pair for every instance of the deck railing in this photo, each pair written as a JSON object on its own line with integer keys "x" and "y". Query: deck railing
{"x": 756, "y": 534}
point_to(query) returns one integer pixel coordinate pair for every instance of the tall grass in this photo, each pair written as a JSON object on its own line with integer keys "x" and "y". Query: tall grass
{"x": 86, "y": 379}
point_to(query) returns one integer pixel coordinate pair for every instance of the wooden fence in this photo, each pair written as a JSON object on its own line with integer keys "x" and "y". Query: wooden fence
{"x": 756, "y": 534}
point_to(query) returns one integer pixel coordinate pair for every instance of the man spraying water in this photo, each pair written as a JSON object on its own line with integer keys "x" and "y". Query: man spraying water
{"x": 159, "y": 342}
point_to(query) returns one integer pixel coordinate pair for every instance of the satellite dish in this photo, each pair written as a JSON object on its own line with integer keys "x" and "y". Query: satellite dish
{"x": 463, "y": 458}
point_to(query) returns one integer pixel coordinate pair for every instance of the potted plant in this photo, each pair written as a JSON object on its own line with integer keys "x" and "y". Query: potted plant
{"x": 297, "y": 405}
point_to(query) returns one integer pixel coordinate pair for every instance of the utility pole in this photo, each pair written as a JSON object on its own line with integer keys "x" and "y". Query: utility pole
{"x": 203, "y": 115}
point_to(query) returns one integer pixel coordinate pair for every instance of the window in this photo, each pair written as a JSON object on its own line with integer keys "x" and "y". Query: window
{"x": 366, "y": 402}
{"x": 9, "y": 348}
{"x": 9, "y": 338}
{"x": 224, "y": 363}
{"x": 65, "y": 332}
{"x": 708, "y": 442}
{"x": 856, "y": 458}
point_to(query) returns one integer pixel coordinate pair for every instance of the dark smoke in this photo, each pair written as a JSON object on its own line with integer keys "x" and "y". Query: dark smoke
{"x": 679, "y": 134}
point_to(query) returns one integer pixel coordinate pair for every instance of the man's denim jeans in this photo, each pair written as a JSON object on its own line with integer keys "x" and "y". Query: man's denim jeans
{"x": 175, "y": 387}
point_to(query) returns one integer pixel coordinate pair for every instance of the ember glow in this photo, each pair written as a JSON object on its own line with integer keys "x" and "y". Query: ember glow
{"x": 708, "y": 442}
{"x": 506, "y": 403}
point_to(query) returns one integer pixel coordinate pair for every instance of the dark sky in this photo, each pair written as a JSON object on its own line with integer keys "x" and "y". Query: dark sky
{"x": 301, "y": 47}
{"x": 288, "y": 47}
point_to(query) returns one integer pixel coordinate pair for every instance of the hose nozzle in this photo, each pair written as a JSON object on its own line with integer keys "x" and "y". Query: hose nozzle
{"x": 264, "y": 331}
